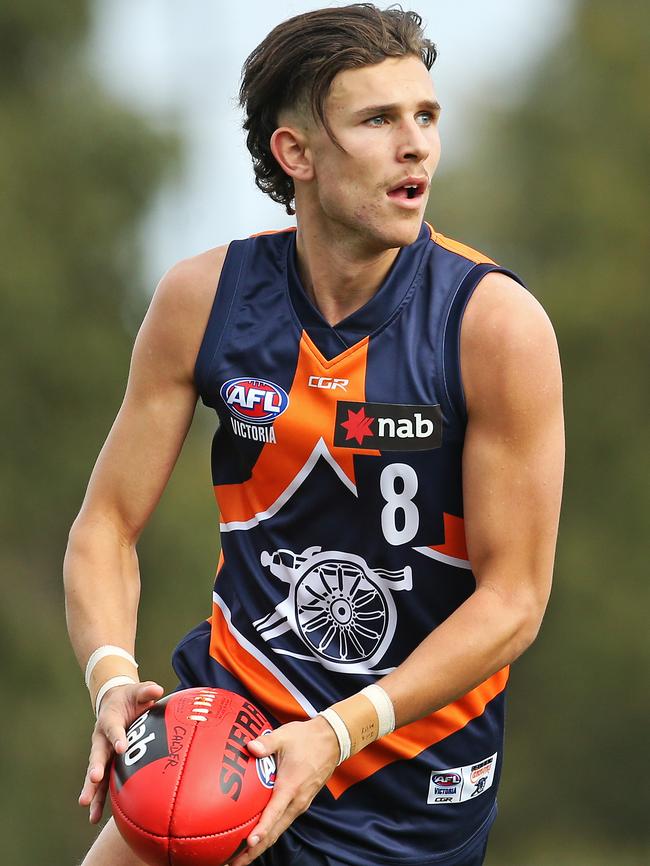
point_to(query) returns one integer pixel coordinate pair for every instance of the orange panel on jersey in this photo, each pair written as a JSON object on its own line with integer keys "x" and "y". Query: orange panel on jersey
{"x": 310, "y": 416}
{"x": 412, "y": 739}
{"x": 225, "y": 649}
{"x": 455, "y": 544}
{"x": 408, "y": 742}
{"x": 462, "y": 249}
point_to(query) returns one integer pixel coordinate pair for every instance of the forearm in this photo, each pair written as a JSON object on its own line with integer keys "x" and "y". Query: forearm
{"x": 102, "y": 588}
{"x": 483, "y": 635}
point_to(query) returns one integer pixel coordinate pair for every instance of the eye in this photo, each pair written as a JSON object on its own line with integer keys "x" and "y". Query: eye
{"x": 425, "y": 118}
{"x": 378, "y": 120}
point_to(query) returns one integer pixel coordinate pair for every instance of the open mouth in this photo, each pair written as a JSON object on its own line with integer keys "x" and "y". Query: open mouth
{"x": 411, "y": 188}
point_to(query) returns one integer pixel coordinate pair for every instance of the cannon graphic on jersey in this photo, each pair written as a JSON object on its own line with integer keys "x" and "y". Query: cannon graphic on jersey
{"x": 338, "y": 606}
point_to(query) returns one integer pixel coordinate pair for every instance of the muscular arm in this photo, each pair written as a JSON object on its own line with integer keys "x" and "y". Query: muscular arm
{"x": 101, "y": 576}
{"x": 513, "y": 463}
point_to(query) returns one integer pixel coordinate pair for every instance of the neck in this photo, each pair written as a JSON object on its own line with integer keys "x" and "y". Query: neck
{"x": 338, "y": 275}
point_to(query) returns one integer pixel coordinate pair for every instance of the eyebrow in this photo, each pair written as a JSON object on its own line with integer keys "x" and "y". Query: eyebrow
{"x": 374, "y": 110}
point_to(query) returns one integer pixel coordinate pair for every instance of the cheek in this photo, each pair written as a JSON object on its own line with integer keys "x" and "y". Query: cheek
{"x": 434, "y": 153}
{"x": 343, "y": 184}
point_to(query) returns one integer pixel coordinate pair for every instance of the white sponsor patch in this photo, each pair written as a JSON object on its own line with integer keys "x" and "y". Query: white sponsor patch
{"x": 462, "y": 783}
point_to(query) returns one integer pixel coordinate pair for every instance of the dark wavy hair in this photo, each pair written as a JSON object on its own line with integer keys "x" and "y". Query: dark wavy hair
{"x": 297, "y": 62}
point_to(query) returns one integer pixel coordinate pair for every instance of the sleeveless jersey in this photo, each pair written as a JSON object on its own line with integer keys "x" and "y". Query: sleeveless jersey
{"x": 337, "y": 472}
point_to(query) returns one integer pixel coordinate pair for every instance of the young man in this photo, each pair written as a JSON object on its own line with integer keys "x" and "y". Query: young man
{"x": 387, "y": 468}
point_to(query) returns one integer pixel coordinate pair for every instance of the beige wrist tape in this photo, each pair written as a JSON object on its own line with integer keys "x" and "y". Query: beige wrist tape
{"x": 103, "y": 652}
{"x": 338, "y": 726}
{"x": 108, "y": 665}
{"x": 384, "y": 707}
{"x": 361, "y": 719}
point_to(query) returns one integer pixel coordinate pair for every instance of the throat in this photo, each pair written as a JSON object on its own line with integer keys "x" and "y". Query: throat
{"x": 338, "y": 287}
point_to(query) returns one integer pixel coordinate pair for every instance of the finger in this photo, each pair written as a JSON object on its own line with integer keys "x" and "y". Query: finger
{"x": 100, "y": 755}
{"x": 270, "y": 838}
{"x": 97, "y": 804}
{"x": 271, "y": 816}
{"x": 115, "y": 734}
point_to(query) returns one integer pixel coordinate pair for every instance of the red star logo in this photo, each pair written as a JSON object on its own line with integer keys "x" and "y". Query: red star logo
{"x": 358, "y": 425}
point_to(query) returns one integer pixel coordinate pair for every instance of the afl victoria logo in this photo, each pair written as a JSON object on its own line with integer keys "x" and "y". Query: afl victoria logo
{"x": 256, "y": 401}
{"x": 447, "y": 780}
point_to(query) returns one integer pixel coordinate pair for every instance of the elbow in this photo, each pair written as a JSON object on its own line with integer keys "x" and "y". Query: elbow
{"x": 527, "y": 621}
{"x": 527, "y": 632}
{"x": 519, "y": 613}
{"x": 96, "y": 545}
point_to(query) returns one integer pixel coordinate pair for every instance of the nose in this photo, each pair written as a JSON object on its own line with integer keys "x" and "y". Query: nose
{"x": 414, "y": 145}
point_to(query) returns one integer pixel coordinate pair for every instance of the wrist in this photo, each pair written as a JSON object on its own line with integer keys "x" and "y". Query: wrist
{"x": 360, "y": 719}
{"x": 108, "y": 667}
{"x": 329, "y": 739}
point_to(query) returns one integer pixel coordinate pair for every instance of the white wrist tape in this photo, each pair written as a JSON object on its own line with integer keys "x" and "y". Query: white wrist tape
{"x": 384, "y": 707}
{"x": 342, "y": 734}
{"x": 110, "y": 684}
{"x": 101, "y": 653}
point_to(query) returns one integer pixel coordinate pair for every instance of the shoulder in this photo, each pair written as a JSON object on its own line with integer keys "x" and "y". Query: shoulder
{"x": 509, "y": 350}
{"x": 191, "y": 283}
{"x": 177, "y": 317}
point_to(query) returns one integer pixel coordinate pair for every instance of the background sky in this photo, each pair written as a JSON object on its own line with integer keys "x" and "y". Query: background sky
{"x": 180, "y": 63}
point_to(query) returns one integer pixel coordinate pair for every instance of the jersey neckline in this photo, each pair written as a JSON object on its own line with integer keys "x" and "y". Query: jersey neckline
{"x": 332, "y": 340}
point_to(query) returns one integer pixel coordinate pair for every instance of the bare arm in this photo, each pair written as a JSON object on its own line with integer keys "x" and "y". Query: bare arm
{"x": 101, "y": 575}
{"x": 513, "y": 462}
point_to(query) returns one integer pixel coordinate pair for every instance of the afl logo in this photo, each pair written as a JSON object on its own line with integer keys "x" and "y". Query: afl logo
{"x": 446, "y": 780}
{"x": 254, "y": 400}
{"x": 266, "y": 770}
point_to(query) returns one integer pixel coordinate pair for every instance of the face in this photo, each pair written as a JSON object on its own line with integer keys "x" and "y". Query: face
{"x": 385, "y": 117}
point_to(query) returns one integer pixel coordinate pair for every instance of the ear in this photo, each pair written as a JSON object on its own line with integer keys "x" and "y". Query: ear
{"x": 290, "y": 148}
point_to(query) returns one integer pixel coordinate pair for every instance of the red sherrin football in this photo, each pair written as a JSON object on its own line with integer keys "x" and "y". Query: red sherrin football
{"x": 186, "y": 792}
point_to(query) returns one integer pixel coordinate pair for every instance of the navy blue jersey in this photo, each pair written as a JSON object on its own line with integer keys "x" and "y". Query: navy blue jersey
{"x": 337, "y": 472}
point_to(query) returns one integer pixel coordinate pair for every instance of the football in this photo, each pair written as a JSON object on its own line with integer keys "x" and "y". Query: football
{"x": 186, "y": 792}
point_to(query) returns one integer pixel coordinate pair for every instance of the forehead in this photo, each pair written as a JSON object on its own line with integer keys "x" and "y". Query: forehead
{"x": 396, "y": 80}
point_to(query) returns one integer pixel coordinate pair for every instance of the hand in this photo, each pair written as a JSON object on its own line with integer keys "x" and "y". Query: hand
{"x": 120, "y": 706}
{"x": 306, "y": 754}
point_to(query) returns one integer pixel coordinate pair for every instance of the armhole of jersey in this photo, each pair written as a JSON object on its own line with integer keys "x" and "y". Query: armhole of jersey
{"x": 451, "y": 372}
{"x": 225, "y": 294}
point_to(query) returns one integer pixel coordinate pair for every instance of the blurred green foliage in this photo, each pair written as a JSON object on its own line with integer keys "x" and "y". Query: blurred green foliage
{"x": 556, "y": 189}
{"x": 77, "y": 173}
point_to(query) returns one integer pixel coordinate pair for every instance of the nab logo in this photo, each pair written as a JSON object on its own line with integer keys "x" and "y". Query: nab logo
{"x": 254, "y": 400}
{"x": 387, "y": 426}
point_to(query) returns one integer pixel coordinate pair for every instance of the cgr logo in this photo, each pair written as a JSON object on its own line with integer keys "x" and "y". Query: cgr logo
{"x": 328, "y": 384}
{"x": 254, "y": 400}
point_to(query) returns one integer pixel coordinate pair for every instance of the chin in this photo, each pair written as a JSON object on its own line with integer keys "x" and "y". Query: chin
{"x": 401, "y": 235}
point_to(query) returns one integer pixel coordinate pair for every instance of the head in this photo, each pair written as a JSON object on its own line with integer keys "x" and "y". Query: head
{"x": 340, "y": 110}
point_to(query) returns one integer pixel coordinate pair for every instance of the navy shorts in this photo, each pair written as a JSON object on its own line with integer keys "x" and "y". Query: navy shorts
{"x": 291, "y": 850}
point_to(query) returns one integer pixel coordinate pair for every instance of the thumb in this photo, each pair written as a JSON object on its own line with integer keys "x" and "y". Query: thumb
{"x": 263, "y": 746}
{"x": 149, "y": 691}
